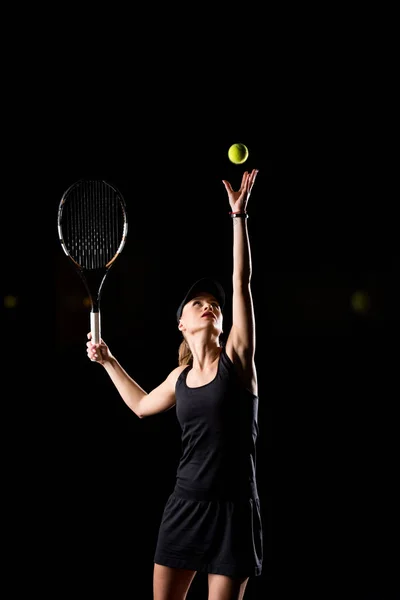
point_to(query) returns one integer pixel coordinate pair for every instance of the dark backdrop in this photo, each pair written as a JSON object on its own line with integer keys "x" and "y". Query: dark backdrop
{"x": 84, "y": 480}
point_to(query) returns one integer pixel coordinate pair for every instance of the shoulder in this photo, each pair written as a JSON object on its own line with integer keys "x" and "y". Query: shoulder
{"x": 175, "y": 373}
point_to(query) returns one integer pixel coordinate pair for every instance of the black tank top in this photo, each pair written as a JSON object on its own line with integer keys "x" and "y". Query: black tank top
{"x": 219, "y": 433}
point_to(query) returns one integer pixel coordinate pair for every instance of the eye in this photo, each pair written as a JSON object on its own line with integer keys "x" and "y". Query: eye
{"x": 196, "y": 302}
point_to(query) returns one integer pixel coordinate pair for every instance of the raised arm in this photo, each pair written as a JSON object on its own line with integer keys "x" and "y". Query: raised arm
{"x": 241, "y": 342}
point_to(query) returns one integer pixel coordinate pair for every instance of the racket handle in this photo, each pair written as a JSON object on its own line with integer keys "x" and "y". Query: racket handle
{"x": 95, "y": 327}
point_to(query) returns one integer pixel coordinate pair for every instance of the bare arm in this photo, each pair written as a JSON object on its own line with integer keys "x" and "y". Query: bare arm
{"x": 241, "y": 341}
{"x": 143, "y": 404}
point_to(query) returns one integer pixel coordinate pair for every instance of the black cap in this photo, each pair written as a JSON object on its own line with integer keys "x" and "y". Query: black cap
{"x": 208, "y": 285}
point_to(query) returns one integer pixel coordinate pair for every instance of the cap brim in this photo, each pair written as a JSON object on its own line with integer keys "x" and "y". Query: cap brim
{"x": 208, "y": 285}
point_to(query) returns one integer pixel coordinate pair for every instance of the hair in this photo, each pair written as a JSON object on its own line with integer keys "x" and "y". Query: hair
{"x": 185, "y": 356}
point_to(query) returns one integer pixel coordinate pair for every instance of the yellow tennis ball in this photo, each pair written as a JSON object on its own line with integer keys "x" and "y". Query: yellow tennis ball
{"x": 238, "y": 153}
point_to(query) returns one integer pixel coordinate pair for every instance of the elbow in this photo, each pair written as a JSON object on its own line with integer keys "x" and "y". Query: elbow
{"x": 136, "y": 410}
{"x": 241, "y": 284}
{"x": 242, "y": 274}
{"x": 139, "y": 413}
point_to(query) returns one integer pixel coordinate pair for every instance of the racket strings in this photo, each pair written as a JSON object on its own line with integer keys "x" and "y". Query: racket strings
{"x": 93, "y": 224}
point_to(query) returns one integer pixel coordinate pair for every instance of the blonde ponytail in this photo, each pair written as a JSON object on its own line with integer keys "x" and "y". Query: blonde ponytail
{"x": 185, "y": 356}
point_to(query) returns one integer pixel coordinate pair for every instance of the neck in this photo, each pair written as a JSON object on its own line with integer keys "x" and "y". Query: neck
{"x": 205, "y": 355}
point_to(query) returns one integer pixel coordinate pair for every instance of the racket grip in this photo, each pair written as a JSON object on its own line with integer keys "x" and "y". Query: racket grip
{"x": 95, "y": 327}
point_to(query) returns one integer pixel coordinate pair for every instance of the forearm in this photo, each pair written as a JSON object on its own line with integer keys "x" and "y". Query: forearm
{"x": 130, "y": 392}
{"x": 242, "y": 269}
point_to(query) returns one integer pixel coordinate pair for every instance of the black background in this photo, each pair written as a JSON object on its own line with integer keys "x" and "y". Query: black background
{"x": 84, "y": 480}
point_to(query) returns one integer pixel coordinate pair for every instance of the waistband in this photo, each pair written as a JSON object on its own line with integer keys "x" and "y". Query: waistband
{"x": 214, "y": 495}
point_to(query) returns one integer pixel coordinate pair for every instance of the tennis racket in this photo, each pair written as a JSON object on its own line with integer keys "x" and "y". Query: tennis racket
{"x": 92, "y": 228}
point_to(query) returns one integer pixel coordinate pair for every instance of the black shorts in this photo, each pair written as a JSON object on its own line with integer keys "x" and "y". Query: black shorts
{"x": 219, "y": 536}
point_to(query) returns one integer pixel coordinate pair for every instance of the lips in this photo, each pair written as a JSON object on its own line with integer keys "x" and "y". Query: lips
{"x": 208, "y": 314}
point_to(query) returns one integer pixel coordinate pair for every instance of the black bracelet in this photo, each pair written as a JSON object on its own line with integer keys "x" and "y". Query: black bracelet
{"x": 240, "y": 215}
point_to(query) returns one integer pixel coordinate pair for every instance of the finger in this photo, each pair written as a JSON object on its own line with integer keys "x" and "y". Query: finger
{"x": 227, "y": 185}
{"x": 253, "y": 177}
{"x": 244, "y": 179}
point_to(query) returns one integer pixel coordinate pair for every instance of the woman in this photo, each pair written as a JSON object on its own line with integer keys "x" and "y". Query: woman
{"x": 211, "y": 522}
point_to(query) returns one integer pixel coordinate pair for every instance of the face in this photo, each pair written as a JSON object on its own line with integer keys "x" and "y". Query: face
{"x": 202, "y": 310}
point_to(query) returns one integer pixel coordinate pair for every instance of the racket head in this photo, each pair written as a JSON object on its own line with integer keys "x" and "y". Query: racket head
{"x": 92, "y": 228}
{"x": 92, "y": 224}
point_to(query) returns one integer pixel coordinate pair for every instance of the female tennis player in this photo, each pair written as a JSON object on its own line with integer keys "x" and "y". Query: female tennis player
{"x": 211, "y": 522}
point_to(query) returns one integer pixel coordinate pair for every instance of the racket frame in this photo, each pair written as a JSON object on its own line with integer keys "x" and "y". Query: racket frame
{"x": 93, "y": 279}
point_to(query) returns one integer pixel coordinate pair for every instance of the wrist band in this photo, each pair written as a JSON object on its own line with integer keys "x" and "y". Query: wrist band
{"x": 241, "y": 215}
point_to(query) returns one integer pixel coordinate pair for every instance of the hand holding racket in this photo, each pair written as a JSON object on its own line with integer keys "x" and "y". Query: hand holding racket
{"x": 99, "y": 353}
{"x": 92, "y": 228}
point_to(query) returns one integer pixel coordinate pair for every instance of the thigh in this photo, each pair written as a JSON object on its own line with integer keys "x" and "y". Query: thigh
{"x": 171, "y": 584}
{"x": 221, "y": 587}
